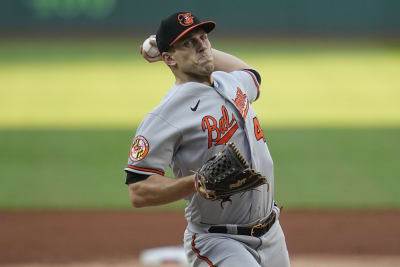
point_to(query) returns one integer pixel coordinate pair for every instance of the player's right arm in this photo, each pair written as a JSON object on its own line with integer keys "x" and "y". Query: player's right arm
{"x": 247, "y": 75}
{"x": 227, "y": 62}
{"x": 158, "y": 190}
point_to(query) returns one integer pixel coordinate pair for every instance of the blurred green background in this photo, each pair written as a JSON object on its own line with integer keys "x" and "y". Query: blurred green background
{"x": 73, "y": 89}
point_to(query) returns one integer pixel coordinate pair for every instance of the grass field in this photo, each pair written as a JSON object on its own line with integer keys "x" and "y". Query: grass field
{"x": 314, "y": 168}
{"x": 69, "y": 109}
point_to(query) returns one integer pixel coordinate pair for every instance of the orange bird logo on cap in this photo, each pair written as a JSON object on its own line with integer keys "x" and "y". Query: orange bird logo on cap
{"x": 185, "y": 19}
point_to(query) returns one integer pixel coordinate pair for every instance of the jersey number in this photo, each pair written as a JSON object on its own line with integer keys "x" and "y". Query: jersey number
{"x": 257, "y": 130}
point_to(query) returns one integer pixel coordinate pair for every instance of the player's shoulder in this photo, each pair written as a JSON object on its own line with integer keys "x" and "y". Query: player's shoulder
{"x": 226, "y": 78}
{"x": 221, "y": 74}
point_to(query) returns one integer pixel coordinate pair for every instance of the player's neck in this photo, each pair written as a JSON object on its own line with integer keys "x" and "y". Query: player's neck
{"x": 207, "y": 80}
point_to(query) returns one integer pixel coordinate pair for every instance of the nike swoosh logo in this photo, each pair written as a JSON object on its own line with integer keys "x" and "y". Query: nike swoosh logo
{"x": 195, "y": 107}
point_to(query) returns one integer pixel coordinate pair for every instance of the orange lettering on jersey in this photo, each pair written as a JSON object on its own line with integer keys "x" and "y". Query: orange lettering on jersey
{"x": 240, "y": 101}
{"x": 257, "y": 130}
{"x": 210, "y": 123}
{"x": 222, "y": 125}
{"x": 221, "y": 132}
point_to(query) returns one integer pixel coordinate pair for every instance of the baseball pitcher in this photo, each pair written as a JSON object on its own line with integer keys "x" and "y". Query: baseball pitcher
{"x": 206, "y": 130}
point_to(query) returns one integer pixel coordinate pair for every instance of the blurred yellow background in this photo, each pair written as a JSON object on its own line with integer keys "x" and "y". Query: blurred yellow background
{"x": 324, "y": 84}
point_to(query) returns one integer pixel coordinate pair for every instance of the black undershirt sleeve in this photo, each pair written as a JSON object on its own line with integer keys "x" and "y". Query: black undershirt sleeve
{"x": 132, "y": 177}
{"x": 258, "y": 77}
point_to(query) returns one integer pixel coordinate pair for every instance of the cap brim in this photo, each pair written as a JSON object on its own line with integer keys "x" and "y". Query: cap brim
{"x": 207, "y": 26}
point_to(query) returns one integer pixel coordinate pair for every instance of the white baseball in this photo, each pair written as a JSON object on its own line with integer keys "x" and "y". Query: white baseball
{"x": 151, "y": 51}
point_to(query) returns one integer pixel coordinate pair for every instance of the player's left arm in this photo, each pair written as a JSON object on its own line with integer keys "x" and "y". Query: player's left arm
{"x": 157, "y": 190}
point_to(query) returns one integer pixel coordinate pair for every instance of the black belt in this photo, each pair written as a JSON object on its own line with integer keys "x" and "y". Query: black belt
{"x": 255, "y": 230}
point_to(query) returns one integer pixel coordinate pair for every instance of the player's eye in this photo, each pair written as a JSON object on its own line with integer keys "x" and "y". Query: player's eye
{"x": 188, "y": 43}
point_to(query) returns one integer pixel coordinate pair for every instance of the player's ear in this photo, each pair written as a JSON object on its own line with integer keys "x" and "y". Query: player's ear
{"x": 168, "y": 59}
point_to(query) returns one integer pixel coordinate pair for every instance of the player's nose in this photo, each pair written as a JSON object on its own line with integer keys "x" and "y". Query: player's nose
{"x": 202, "y": 45}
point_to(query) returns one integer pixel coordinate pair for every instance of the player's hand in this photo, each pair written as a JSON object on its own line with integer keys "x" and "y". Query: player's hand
{"x": 203, "y": 192}
{"x": 150, "y": 59}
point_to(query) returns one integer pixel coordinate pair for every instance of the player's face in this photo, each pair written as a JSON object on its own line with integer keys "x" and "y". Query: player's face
{"x": 193, "y": 54}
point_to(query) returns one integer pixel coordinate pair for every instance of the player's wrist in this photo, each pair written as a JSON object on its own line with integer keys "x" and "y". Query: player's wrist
{"x": 195, "y": 183}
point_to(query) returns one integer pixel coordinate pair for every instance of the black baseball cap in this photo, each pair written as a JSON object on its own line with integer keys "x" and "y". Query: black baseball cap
{"x": 176, "y": 26}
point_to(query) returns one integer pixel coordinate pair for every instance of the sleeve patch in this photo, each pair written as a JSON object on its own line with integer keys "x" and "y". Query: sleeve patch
{"x": 139, "y": 149}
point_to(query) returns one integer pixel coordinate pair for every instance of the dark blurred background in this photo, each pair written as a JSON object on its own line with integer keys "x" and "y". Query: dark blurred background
{"x": 351, "y": 18}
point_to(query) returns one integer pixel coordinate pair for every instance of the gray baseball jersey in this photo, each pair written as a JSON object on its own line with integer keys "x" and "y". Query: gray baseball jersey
{"x": 186, "y": 129}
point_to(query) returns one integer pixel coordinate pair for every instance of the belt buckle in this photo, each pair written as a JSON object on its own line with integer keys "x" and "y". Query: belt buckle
{"x": 257, "y": 226}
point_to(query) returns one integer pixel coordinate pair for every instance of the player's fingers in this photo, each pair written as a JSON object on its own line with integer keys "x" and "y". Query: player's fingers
{"x": 153, "y": 42}
{"x": 146, "y": 57}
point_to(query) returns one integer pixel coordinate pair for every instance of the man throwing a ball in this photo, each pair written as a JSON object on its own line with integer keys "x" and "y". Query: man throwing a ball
{"x": 208, "y": 107}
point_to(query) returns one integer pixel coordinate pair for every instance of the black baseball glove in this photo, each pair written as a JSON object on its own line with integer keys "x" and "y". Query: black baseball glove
{"x": 226, "y": 174}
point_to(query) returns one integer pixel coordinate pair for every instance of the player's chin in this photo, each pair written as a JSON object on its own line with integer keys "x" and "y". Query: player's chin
{"x": 208, "y": 66}
{"x": 206, "y": 70}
